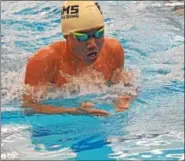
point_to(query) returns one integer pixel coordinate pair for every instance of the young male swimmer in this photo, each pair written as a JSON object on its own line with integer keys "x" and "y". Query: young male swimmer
{"x": 85, "y": 47}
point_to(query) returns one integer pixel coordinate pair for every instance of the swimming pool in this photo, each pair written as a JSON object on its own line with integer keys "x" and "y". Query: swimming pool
{"x": 153, "y": 127}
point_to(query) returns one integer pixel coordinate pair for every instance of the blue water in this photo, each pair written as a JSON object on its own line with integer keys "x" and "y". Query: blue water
{"x": 152, "y": 129}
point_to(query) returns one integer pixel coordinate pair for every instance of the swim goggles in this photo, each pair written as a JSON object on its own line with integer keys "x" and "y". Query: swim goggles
{"x": 84, "y": 37}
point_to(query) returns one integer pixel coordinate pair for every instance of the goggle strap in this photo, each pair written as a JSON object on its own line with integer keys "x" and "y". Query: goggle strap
{"x": 78, "y": 34}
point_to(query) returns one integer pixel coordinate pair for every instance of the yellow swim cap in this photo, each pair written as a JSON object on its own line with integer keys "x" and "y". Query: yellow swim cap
{"x": 80, "y": 15}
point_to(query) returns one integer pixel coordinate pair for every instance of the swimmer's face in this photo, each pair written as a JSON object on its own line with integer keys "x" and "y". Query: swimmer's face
{"x": 87, "y": 44}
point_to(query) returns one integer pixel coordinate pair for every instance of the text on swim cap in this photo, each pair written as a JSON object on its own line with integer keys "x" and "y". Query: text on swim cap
{"x": 70, "y": 12}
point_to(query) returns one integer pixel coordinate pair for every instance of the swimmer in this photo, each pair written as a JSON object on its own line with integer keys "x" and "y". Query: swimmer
{"x": 85, "y": 46}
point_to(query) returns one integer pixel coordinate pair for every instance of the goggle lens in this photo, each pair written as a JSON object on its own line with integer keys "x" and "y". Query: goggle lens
{"x": 84, "y": 37}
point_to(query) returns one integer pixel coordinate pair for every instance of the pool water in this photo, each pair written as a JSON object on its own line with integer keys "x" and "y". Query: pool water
{"x": 152, "y": 129}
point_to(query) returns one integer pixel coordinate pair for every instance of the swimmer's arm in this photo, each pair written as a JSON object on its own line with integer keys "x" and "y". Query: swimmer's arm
{"x": 122, "y": 102}
{"x": 46, "y": 109}
{"x": 85, "y": 108}
{"x": 119, "y": 75}
{"x": 40, "y": 70}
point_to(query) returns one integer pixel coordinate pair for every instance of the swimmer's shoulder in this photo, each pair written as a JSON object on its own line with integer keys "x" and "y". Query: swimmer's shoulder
{"x": 115, "y": 50}
{"x": 52, "y": 51}
{"x": 113, "y": 45}
{"x": 112, "y": 42}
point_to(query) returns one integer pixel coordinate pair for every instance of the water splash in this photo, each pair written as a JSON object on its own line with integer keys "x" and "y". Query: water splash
{"x": 13, "y": 87}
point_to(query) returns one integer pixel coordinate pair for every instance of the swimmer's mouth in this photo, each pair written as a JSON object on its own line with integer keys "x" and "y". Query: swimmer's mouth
{"x": 92, "y": 55}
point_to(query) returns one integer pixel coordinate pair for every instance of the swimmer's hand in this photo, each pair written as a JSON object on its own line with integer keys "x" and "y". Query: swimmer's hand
{"x": 87, "y": 108}
{"x": 122, "y": 103}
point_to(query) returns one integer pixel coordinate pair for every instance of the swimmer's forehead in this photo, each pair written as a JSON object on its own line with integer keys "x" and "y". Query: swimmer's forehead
{"x": 90, "y": 30}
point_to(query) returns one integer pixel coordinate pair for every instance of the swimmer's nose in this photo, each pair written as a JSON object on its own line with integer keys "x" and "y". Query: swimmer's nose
{"x": 91, "y": 44}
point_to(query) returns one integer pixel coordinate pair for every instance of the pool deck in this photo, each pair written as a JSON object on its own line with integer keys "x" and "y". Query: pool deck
{"x": 177, "y": 6}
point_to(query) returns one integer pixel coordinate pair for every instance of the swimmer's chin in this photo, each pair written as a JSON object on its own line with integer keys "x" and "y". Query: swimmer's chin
{"x": 90, "y": 62}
